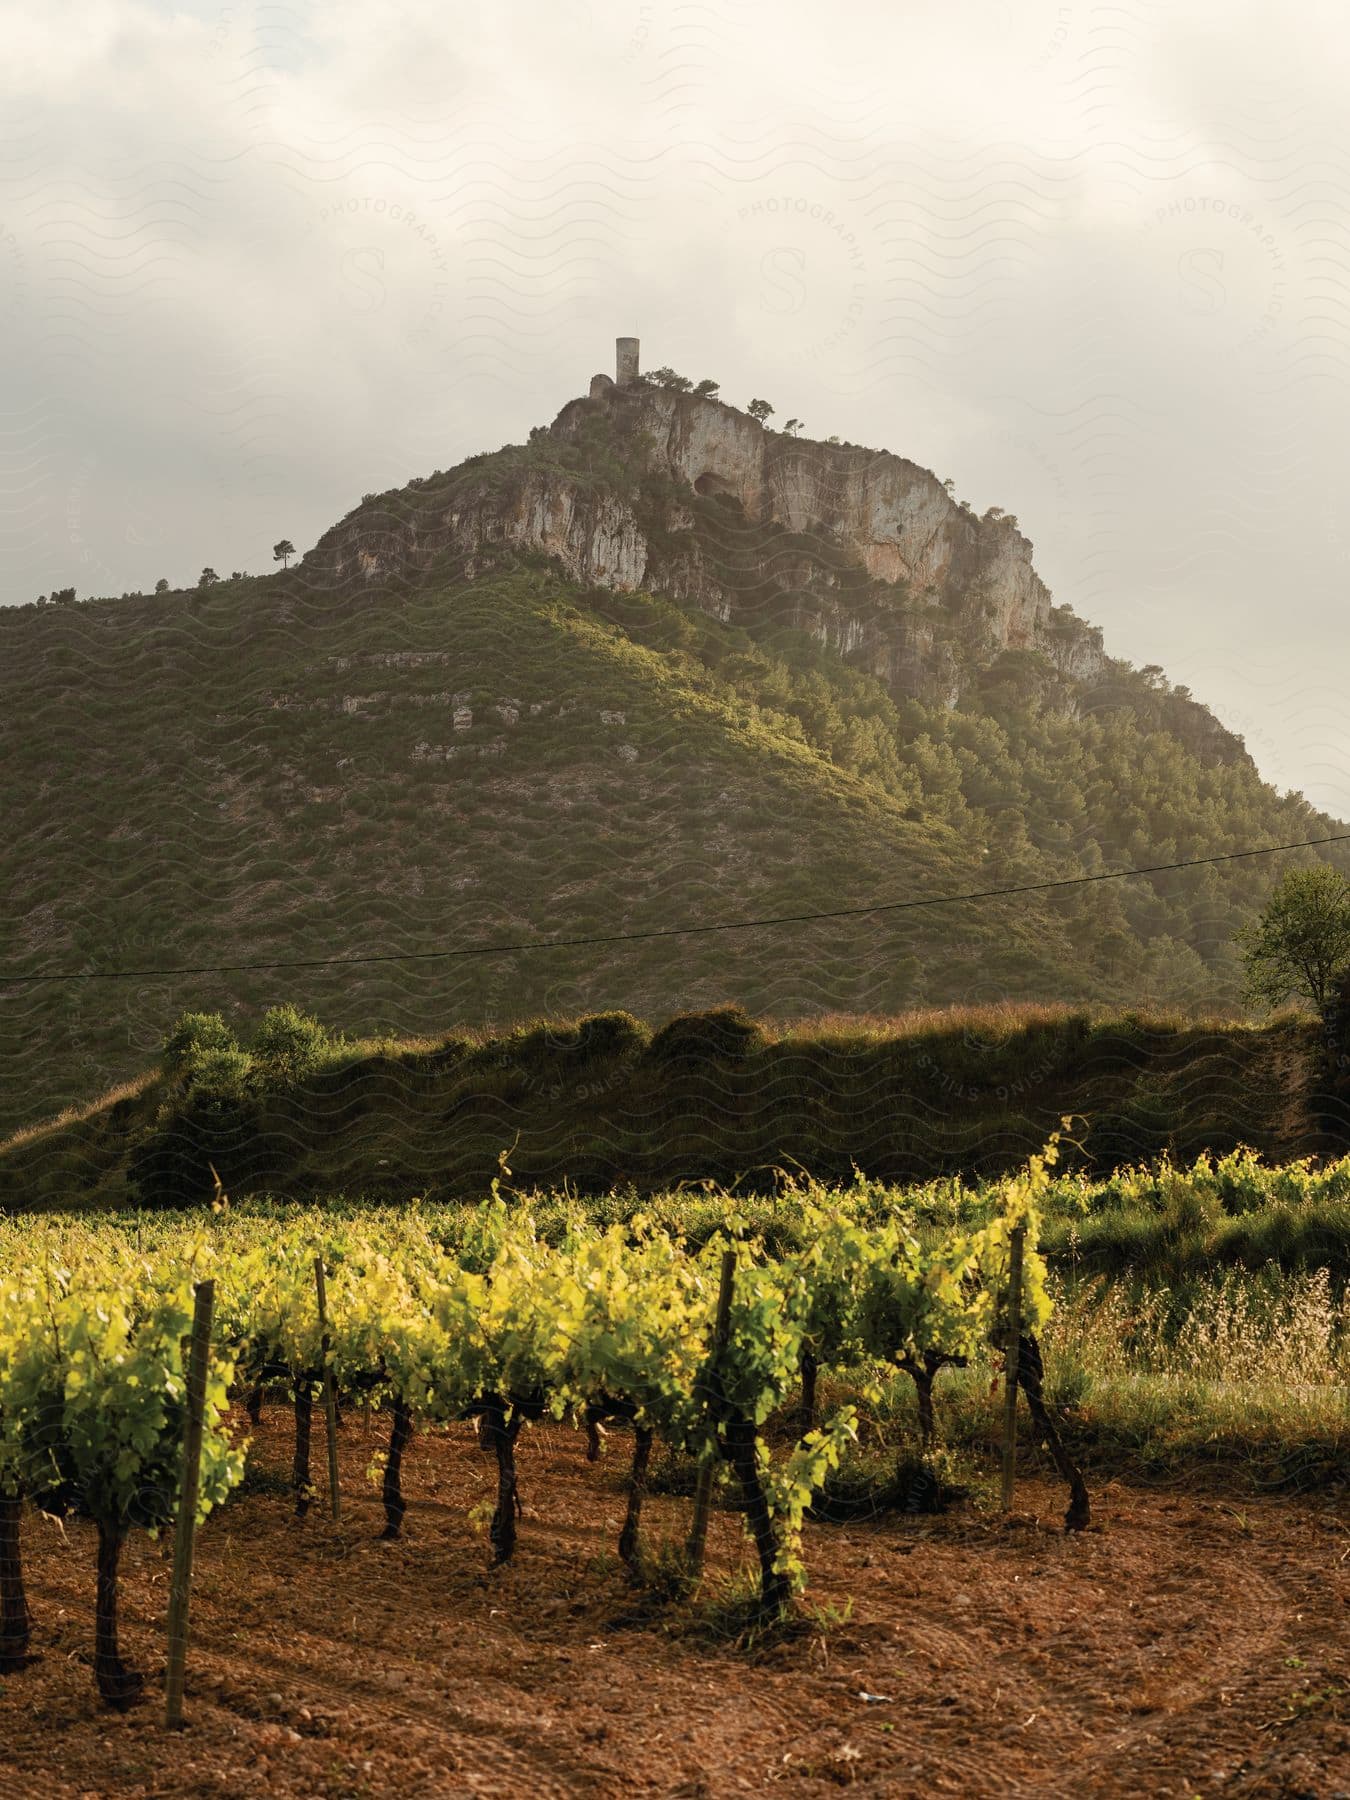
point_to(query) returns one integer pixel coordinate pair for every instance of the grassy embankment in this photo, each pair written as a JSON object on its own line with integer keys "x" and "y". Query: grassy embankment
{"x": 605, "y": 1104}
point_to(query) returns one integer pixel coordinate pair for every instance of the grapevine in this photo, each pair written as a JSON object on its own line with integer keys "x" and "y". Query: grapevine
{"x": 497, "y": 1322}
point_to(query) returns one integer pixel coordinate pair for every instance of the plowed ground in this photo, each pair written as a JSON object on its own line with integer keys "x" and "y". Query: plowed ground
{"x": 1185, "y": 1646}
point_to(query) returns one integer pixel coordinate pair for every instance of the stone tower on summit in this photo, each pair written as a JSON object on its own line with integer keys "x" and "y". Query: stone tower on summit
{"x": 626, "y": 369}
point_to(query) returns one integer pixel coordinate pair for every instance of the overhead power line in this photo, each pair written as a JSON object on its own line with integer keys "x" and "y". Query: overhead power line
{"x": 523, "y": 947}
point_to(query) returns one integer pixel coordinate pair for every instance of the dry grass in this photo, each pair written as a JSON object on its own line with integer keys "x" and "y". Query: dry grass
{"x": 1241, "y": 1378}
{"x": 1235, "y": 1330}
{"x": 990, "y": 1020}
{"x": 79, "y": 1114}
{"x": 994, "y": 1020}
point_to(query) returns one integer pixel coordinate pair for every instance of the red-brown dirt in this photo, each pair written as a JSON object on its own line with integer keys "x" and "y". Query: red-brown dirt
{"x": 1187, "y": 1645}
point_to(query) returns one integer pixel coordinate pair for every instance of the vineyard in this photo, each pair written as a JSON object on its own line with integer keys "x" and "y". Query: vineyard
{"x": 694, "y": 1347}
{"x": 425, "y": 1429}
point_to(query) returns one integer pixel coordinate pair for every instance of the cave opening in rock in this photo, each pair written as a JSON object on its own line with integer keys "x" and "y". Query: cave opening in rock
{"x": 708, "y": 483}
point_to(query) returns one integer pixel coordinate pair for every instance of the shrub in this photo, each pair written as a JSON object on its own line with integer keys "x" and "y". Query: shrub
{"x": 220, "y": 1075}
{"x": 289, "y": 1044}
{"x": 726, "y": 1034}
{"x": 195, "y": 1036}
{"x": 610, "y": 1035}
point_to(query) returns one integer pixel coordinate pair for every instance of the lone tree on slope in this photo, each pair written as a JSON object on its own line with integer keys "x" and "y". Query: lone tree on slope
{"x": 207, "y": 578}
{"x": 283, "y": 552}
{"x": 759, "y": 409}
{"x": 1300, "y": 945}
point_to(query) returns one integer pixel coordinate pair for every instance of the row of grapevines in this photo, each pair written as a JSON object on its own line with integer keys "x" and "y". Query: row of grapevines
{"x": 509, "y": 1327}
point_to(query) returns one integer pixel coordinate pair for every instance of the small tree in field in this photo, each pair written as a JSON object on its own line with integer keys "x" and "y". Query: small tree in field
{"x": 1301, "y": 942}
{"x": 195, "y": 1036}
{"x": 288, "y": 1044}
{"x": 283, "y": 552}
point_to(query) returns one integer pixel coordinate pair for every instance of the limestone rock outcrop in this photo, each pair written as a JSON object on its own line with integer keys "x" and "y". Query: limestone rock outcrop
{"x": 639, "y": 486}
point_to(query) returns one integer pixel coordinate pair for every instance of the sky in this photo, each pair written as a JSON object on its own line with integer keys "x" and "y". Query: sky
{"x": 1090, "y": 261}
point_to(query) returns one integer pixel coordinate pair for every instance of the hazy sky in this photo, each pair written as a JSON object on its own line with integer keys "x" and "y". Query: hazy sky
{"x": 1092, "y": 261}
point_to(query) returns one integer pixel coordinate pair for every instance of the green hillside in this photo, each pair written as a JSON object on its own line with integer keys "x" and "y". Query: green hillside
{"x": 234, "y": 777}
{"x": 292, "y": 767}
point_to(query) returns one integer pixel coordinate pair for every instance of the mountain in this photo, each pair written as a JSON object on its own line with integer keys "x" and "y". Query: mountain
{"x": 658, "y": 666}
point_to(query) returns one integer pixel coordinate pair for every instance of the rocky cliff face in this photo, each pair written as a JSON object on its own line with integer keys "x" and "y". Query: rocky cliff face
{"x": 640, "y": 486}
{"x": 933, "y": 568}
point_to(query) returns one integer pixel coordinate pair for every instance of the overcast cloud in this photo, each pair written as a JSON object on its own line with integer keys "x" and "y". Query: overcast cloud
{"x": 1090, "y": 261}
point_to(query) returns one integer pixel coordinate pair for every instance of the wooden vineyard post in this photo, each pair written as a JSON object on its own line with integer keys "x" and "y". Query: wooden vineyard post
{"x": 1011, "y": 1355}
{"x": 180, "y": 1586}
{"x": 698, "y": 1530}
{"x": 329, "y": 1393}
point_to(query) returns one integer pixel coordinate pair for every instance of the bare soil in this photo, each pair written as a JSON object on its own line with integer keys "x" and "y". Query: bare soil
{"x": 1188, "y": 1645}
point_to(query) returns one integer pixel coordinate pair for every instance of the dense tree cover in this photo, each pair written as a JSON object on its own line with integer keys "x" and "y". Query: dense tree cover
{"x": 1045, "y": 791}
